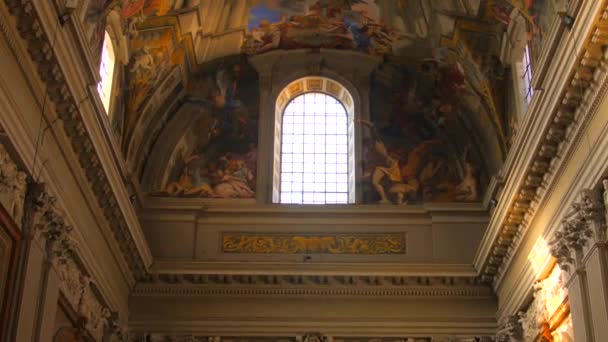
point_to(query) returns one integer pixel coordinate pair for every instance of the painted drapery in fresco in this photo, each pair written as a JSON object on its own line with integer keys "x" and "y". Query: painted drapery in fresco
{"x": 217, "y": 157}
{"x": 334, "y": 24}
{"x": 432, "y": 109}
{"x": 421, "y": 145}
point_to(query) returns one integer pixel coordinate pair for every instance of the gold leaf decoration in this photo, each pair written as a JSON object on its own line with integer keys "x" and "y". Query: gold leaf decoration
{"x": 340, "y": 243}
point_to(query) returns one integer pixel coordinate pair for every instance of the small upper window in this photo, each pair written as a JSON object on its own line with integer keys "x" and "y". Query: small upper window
{"x": 527, "y": 75}
{"x": 106, "y": 72}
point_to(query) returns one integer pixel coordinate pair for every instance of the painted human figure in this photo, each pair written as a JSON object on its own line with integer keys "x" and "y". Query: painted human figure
{"x": 466, "y": 190}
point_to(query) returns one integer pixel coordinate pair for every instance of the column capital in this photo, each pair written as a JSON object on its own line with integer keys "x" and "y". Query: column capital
{"x": 589, "y": 208}
{"x": 568, "y": 242}
{"x": 582, "y": 227}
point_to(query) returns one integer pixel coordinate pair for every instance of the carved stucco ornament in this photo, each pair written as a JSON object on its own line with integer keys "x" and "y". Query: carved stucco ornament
{"x": 510, "y": 330}
{"x": 13, "y": 186}
{"x": 45, "y": 222}
{"x": 585, "y": 222}
{"x": 568, "y": 242}
{"x": 343, "y": 243}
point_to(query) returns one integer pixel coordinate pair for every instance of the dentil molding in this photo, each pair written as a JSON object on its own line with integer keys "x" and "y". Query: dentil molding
{"x": 585, "y": 89}
{"x": 31, "y": 28}
{"x": 296, "y": 285}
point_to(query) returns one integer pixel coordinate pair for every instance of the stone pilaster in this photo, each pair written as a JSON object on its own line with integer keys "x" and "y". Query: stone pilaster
{"x": 595, "y": 259}
{"x": 59, "y": 270}
{"x": 580, "y": 249}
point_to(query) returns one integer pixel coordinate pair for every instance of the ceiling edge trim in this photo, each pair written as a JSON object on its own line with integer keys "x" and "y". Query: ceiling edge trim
{"x": 585, "y": 87}
{"x": 40, "y": 49}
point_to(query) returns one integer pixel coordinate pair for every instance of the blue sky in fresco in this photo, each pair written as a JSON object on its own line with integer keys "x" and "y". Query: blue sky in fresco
{"x": 261, "y": 12}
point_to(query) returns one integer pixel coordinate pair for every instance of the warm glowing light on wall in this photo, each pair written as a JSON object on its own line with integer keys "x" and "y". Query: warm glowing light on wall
{"x": 564, "y": 333}
{"x": 554, "y": 292}
{"x": 540, "y": 258}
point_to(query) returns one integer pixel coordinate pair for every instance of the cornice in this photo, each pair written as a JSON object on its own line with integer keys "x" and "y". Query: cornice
{"x": 308, "y": 285}
{"x": 569, "y": 111}
{"x": 32, "y": 30}
{"x": 247, "y": 211}
{"x": 313, "y": 269}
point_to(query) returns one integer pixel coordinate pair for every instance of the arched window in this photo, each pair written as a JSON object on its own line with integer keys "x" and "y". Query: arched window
{"x": 106, "y": 72}
{"x": 315, "y": 144}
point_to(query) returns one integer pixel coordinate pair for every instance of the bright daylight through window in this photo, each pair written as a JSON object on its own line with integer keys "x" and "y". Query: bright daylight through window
{"x": 106, "y": 72}
{"x": 314, "y": 151}
{"x": 527, "y": 74}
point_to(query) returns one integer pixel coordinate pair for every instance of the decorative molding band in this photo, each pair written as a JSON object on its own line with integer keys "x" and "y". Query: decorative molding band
{"x": 581, "y": 97}
{"x": 307, "y": 337}
{"x": 298, "y": 285}
{"x": 341, "y": 243}
{"x": 42, "y": 52}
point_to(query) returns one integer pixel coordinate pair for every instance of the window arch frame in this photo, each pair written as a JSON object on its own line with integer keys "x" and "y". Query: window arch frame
{"x": 301, "y": 86}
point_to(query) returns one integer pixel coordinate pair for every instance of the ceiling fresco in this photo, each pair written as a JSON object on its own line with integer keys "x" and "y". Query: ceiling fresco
{"x": 439, "y": 125}
{"x": 216, "y": 155}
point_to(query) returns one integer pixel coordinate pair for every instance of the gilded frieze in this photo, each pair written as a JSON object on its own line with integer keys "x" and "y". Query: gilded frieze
{"x": 341, "y": 243}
